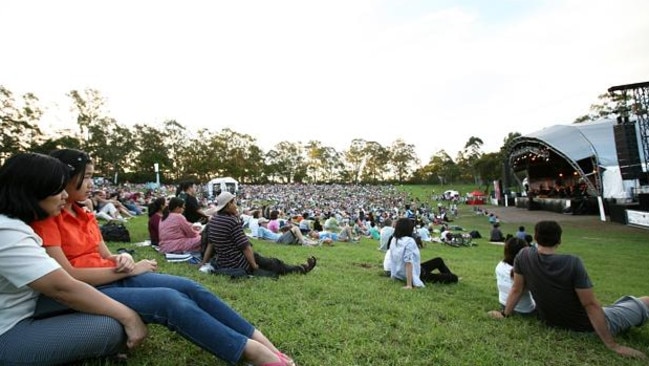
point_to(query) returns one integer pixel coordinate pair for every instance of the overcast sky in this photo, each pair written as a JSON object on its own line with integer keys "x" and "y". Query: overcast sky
{"x": 433, "y": 73}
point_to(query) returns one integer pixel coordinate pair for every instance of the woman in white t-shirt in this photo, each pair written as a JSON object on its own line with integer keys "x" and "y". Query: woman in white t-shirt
{"x": 405, "y": 259}
{"x": 505, "y": 277}
{"x": 34, "y": 329}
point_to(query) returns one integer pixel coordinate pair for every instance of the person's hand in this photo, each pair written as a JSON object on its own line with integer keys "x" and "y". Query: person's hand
{"x": 495, "y": 314}
{"x": 124, "y": 263}
{"x": 144, "y": 266}
{"x": 628, "y": 352}
{"x": 135, "y": 330}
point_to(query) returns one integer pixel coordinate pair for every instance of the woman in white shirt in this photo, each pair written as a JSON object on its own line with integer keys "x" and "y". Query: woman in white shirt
{"x": 505, "y": 277}
{"x": 405, "y": 259}
{"x": 32, "y": 188}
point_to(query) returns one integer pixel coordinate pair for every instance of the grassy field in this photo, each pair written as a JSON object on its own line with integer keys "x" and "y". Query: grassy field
{"x": 346, "y": 312}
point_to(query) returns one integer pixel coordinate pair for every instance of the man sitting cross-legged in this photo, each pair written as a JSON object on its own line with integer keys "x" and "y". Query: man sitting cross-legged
{"x": 564, "y": 293}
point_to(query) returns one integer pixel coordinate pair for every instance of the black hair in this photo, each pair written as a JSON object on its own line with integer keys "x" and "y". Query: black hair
{"x": 174, "y": 203}
{"x": 156, "y": 205}
{"x": 25, "y": 180}
{"x": 513, "y": 245}
{"x": 76, "y": 160}
{"x": 404, "y": 227}
{"x": 547, "y": 233}
{"x": 521, "y": 228}
{"x": 183, "y": 186}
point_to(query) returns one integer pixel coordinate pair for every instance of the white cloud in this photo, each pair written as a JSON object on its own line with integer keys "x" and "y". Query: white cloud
{"x": 330, "y": 70}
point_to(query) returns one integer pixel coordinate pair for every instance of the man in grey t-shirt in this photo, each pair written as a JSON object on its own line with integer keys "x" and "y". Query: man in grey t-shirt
{"x": 564, "y": 293}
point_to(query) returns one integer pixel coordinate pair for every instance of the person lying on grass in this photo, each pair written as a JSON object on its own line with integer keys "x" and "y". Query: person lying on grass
{"x": 288, "y": 234}
{"x": 184, "y": 306}
{"x": 564, "y": 293}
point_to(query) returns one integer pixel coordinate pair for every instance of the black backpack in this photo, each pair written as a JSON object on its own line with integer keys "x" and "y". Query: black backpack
{"x": 113, "y": 231}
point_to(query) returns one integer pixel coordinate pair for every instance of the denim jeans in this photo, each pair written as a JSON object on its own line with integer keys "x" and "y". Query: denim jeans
{"x": 186, "y": 307}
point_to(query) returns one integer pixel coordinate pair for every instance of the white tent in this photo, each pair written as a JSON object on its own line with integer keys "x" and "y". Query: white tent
{"x": 220, "y": 185}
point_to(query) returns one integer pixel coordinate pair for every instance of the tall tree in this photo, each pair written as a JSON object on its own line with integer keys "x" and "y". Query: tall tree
{"x": 286, "y": 157}
{"x": 608, "y": 104}
{"x": 470, "y": 154}
{"x": 441, "y": 168}
{"x": 355, "y": 160}
{"x": 376, "y": 158}
{"x": 150, "y": 149}
{"x": 89, "y": 106}
{"x": 176, "y": 139}
{"x": 18, "y": 123}
{"x": 403, "y": 159}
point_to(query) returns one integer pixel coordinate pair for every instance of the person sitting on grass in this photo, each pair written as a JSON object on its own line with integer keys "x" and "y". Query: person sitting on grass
{"x": 182, "y": 305}
{"x": 564, "y": 293}
{"x": 176, "y": 234}
{"x": 289, "y": 234}
{"x": 405, "y": 259}
{"x": 32, "y": 187}
{"x": 496, "y": 234}
{"x": 386, "y": 233}
{"x": 232, "y": 247}
{"x": 505, "y": 277}
{"x": 155, "y": 214}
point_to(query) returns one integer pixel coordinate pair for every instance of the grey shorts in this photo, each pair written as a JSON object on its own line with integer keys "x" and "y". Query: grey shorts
{"x": 625, "y": 313}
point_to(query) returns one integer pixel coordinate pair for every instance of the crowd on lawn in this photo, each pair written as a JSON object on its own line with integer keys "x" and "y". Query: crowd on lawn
{"x": 64, "y": 291}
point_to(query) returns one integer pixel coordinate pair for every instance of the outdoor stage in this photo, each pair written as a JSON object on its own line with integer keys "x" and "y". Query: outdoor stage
{"x": 575, "y": 206}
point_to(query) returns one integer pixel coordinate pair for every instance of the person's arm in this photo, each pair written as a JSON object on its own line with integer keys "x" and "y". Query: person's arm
{"x": 209, "y": 249}
{"x": 124, "y": 262}
{"x": 408, "y": 275}
{"x": 515, "y": 294}
{"x": 598, "y": 320}
{"x": 100, "y": 275}
{"x": 60, "y": 286}
{"x": 250, "y": 257}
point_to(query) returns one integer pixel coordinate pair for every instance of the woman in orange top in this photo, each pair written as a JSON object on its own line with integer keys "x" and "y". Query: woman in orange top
{"x": 184, "y": 306}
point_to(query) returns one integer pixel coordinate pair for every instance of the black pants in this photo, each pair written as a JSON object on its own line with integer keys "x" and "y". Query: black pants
{"x": 444, "y": 276}
{"x": 276, "y": 266}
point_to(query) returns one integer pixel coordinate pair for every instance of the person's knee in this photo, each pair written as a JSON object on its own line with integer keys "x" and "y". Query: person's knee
{"x": 645, "y": 300}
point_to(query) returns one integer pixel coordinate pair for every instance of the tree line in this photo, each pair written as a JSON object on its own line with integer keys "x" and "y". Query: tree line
{"x": 123, "y": 154}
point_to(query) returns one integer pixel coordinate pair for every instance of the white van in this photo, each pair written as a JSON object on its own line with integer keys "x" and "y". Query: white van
{"x": 217, "y": 185}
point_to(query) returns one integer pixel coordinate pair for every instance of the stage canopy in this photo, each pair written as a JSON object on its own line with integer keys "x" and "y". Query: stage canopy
{"x": 578, "y": 155}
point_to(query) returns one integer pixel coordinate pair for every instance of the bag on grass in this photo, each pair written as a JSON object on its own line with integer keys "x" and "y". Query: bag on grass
{"x": 113, "y": 231}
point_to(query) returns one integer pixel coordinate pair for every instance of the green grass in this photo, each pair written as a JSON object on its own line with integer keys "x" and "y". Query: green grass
{"x": 346, "y": 313}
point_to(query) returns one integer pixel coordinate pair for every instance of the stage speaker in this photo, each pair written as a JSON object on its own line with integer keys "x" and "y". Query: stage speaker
{"x": 626, "y": 146}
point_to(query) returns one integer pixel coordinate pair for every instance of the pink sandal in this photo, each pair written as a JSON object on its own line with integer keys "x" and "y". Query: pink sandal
{"x": 287, "y": 360}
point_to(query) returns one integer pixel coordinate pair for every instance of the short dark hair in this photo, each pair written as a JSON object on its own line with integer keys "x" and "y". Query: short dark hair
{"x": 547, "y": 233}
{"x": 513, "y": 245}
{"x": 76, "y": 160}
{"x": 25, "y": 180}
{"x": 521, "y": 228}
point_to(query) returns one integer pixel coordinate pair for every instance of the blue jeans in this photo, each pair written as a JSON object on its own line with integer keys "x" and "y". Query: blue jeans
{"x": 186, "y": 307}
